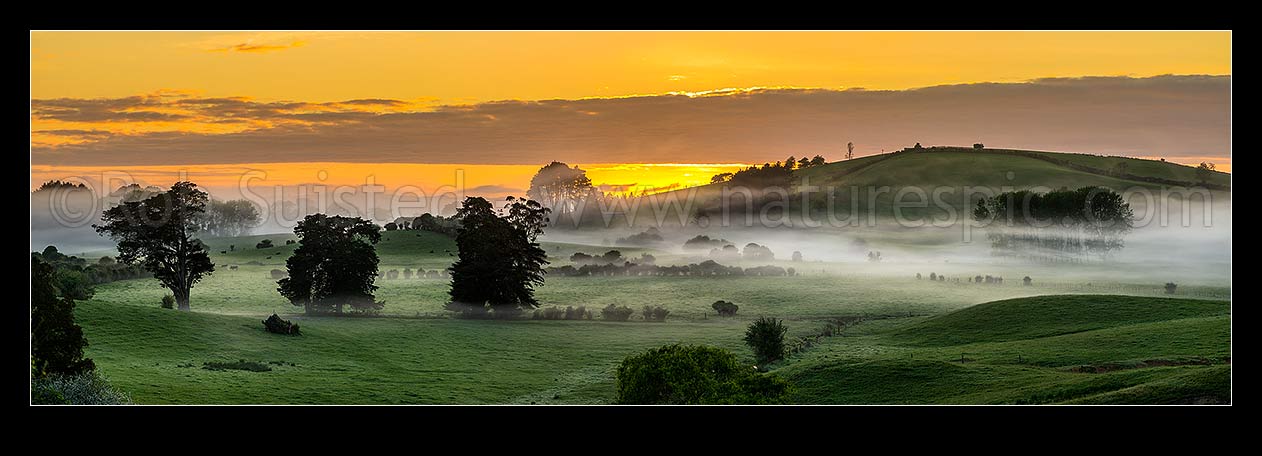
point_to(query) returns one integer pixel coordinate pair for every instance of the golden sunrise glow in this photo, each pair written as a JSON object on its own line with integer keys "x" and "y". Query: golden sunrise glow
{"x": 618, "y": 178}
{"x": 464, "y": 67}
{"x": 181, "y": 84}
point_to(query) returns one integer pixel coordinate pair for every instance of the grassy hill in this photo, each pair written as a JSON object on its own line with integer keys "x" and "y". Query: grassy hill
{"x": 1046, "y": 316}
{"x": 958, "y": 168}
{"x": 1046, "y": 349}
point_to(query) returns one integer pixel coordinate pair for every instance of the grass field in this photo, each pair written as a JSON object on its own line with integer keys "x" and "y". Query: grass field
{"x": 1048, "y": 349}
{"x": 1086, "y": 332}
{"x": 906, "y": 352}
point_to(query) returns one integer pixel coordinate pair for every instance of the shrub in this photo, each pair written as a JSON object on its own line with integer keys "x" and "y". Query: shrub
{"x": 655, "y": 313}
{"x": 1171, "y": 287}
{"x": 88, "y": 388}
{"x": 725, "y": 308}
{"x": 407, "y": 273}
{"x": 616, "y": 313}
{"x": 264, "y": 244}
{"x": 692, "y": 374}
{"x": 244, "y": 365}
{"x": 168, "y": 302}
{"x": 253, "y": 263}
{"x": 275, "y": 324}
{"x": 290, "y": 242}
{"x": 392, "y": 274}
{"x": 769, "y": 271}
{"x": 765, "y": 336}
{"x": 279, "y": 274}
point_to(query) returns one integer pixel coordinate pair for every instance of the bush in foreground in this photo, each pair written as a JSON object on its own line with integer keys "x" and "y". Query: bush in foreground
{"x": 765, "y": 336}
{"x": 695, "y": 374}
{"x": 275, "y": 324}
{"x": 82, "y": 389}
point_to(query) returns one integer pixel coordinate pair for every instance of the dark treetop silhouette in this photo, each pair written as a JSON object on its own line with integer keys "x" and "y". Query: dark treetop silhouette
{"x": 158, "y": 232}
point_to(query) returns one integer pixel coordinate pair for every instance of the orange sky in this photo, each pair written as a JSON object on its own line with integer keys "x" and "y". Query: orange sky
{"x": 315, "y": 72}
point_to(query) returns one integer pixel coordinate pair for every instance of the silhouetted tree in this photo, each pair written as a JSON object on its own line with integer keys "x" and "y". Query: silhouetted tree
{"x": 334, "y": 265}
{"x": 720, "y": 178}
{"x": 56, "y": 341}
{"x": 526, "y": 215}
{"x": 1204, "y": 171}
{"x": 849, "y": 150}
{"x": 158, "y": 233}
{"x": 557, "y": 186}
{"x": 498, "y": 265}
{"x": 797, "y": 256}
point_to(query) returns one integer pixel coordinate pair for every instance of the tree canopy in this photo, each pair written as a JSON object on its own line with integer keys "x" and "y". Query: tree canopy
{"x": 230, "y": 218}
{"x": 56, "y": 341}
{"x": 334, "y": 265}
{"x": 558, "y": 186}
{"x": 158, "y": 232}
{"x": 498, "y": 264}
{"x": 695, "y": 374}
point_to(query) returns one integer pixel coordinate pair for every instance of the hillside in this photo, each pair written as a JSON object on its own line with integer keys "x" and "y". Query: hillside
{"x": 1044, "y": 349}
{"x": 955, "y": 168}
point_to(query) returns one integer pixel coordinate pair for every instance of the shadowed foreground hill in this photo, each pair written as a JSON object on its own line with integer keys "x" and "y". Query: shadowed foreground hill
{"x": 1046, "y": 349}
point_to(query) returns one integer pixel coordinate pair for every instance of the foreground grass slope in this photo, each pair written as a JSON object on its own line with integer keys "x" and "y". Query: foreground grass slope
{"x": 1047, "y": 349}
{"x": 157, "y": 356}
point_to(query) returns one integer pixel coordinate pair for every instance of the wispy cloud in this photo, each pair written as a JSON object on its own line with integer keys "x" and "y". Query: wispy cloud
{"x": 251, "y": 47}
{"x": 1169, "y": 116}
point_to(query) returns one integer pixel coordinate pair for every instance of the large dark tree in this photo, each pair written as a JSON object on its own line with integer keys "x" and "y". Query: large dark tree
{"x": 158, "y": 233}
{"x": 558, "y": 186}
{"x": 56, "y": 341}
{"x": 499, "y": 263}
{"x": 334, "y": 265}
{"x": 527, "y": 215}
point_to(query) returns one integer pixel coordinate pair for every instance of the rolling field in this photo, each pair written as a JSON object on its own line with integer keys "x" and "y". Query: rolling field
{"x": 1086, "y": 332}
{"x": 906, "y": 352}
{"x": 1047, "y": 349}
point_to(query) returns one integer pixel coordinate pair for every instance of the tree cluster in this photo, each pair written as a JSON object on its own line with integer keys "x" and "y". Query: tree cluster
{"x": 499, "y": 263}
{"x": 334, "y": 265}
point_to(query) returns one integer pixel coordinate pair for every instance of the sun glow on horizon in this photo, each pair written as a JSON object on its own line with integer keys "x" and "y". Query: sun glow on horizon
{"x": 225, "y": 181}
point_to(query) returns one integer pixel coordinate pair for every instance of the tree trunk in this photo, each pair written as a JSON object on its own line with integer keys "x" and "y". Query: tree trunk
{"x": 181, "y": 299}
